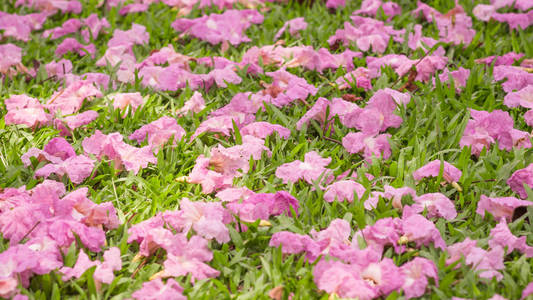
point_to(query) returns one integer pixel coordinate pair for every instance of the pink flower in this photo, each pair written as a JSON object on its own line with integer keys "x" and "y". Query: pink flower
{"x": 527, "y": 291}
{"x": 68, "y": 27}
{"x": 344, "y": 190}
{"x": 416, "y": 274}
{"x": 517, "y": 78}
{"x": 502, "y": 237}
{"x": 370, "y": 145}
{"x": 437, "y": 205}
{"x": 428, "y": 12}
{"x": 528, "y": 117}
{"x": 195, "y": 104}
{"x": 420, "y": 230}
{"x": 396, "y": 195}
{"x": 292, "y": 243}
{"x": 335, "y": 3}
{"x": 458, "y": 76}
{"x": 342, "y": 279}
{"x": 59, "y": 69}
{"x": 502, "y": 207}
{"x": 77, "y": 168}
{"x": 216, "y": 28}
{"x": 371, "y": 7}
{"x": 188, "y": 257}
{"x": 104, "y": 270}
{"x": 159, "y": 132}
{"x": 22, "y": 109}
{"x": 294, "y": 26}
{"x": 222, "y": 124}
{"x": 519, "y": 178}
{"x": 262, "y": 206}
{"x": 137, "y": 35}
{"x": 94, "y": 26}
{"x": 286, "y": 88}
{"x": 361, "y": 76}
{"x": 72, "y": 45}
{"x": 486, "y": 262}
{"x": 432, "y": 169}
{"x": 416, "y": 40}
{"x": 234, "y": 194}
{"x": 515, "y": 20}
{"x": 507, "y": 59}
{"x": 206, "y": 218}
{"x": 156, "y": 289}
{"x": 523, "y": 97}
{"x": 133, "y": 8}
{"x": 378, "y": 115}
{"x": 386, "y": 231}
{"x": 310, "y": 170}
{"x": 263, "y": 129}
{"x": 123, "y": 100}
{"x": 484, "y": 12}
{"x": 455, "y": 26}
{"x": 70, "y": 99}
{"x": 67, "y": 124}
{"x": 113, "y": 147}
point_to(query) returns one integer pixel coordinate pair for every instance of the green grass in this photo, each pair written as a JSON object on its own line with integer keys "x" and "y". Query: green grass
{"x": 433, "y": 124}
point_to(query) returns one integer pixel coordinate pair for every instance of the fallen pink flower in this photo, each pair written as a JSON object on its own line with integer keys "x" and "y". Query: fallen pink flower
{"x": 159, "y": 132}
{"x": 500, "y": 207}
{"x": 310, "y": 170}
{"x": 126, "y": 101}
{"x": 487, "y": 263}
{"x": 195, "y": 104}
{"x": 156, "y": 289}
{"x": 523, "y": 98}
{"x": 72, "y": 45}
{"x": 68, "y": 27}
{"x": 22, "y": 109}
{"x": 417, "y": 273}
{"x": 432, "y": 169}
{"x": 436, "y": 204}
{"x": 263, "y": 129}
{"x": 501, "y": 236}
{"x": 520, "y": 178}
{"x": 371, "y": 146}
{"x": 344, "y": 190}
{"x": 294, "y": 26}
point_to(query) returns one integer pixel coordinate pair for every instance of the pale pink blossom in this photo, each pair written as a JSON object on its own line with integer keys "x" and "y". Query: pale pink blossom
{"x": 519, "y": 178}
{"x": 432, "y": 169}
{"x": 311, "y": 169}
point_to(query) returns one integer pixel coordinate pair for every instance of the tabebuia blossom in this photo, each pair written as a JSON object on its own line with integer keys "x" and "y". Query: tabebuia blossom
{"x": 104, "y": 270}
{"x": 367, "y": 33}
{"x": 52, "y": 6}
{"x": 501, "y": 236}
{"x": 63, "y": 161}
{"x": 72, "y": 45}
{"x": 458, "y": 76}
{"x": 228, "y": 27}
{"x": 396, "y": 195}
{"x": 371, "y": 7}
{"x": 370, "y": 145}
{"x": 21, "y": 261}
{"x": 515, "y": 78}
{"x": 432, "y": 169}
{"x": 360, "y": 78}
{"x": 486, "y": 263}
{"x": 59, "y": 68}
{"x": 69, "y": 100}
{"x": 520, "y": 178}
{"x": 94, "y": 26}
{"x": 417, "y": 41}
{"x": 311, "y": 169}
{"x": 527, "y": 291}
{"x": 195, "y": 104}
{"x": 319, "y": 112}
{"x": 344, "y": 190}
{"x": 127, "y": 101}
{"x": 123, "y": 155}
{"x": 507, "y": 59}
{"x": 500, "y": 207}
{"x": 159, "y": 132}
{"x": 156, "y": 289}
{"x": 263, "y": 129}
{"x": 523, "y": 98}
{"x": 68, "y": 27}
{"x": 20, "y": 27}
{"x": 285, "y": 88}
{"x": 292, "y": 57}
{"x": 455, "y": 26}
{"x": 66, "y": 125}
{"x": 11, "y": 60}
{"x": 262, "y": 206}
{"x": 46, "y": 212}
{"x": 294, "y": 26}
{"x": 22, "y": 109}
{"x": 224, "y": 164}
{"x": 416, "y": 274}
{"x": 436, "y": 204}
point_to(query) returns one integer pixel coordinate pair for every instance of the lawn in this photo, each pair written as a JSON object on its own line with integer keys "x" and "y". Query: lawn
{"x": 193, "y": 149}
